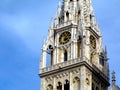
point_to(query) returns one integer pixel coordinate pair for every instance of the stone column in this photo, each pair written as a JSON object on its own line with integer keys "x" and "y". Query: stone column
{"x": 71, "y": 81}
{"x": 41, "y": 88}
{"x": 82, "y": 80}
{"x": 43, "y": 84}
{"x": 41, "y": 61}
{"x": 56, "y": 44}
{"x": 54, "y": 56}
{"x": 54, "y": 83}
{"x": 72, "y": 44}
{"x": 91, "y": 82}
{"x": 74, "y": 52}
{"x": 44, "y": 58}
{"x": 63, "y": 85}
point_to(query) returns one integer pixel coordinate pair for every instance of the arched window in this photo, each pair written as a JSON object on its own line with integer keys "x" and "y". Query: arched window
{"x": 101, "y": 59}
{"x": 79, "y": 46}
{"x": 49, "y": 87}
{"x": 76, "y": 83}
{"x": 78, "y": 16}
{"x": 92, "y": 47}
{"x": 67, "y": 16}
{"x": 59, "y": 20}
{"x": 65, "y": 55}
{"x": 97, "y": 88}
{"x": 90, "y": 18}
{"x": 93, "y": 42}
{"x": 49, "y": 56}
{"x": 62, "y": 19}
{"x": 59, "y": 86}
{"x": 78, "y": 49}
{"x": 67, "y": 85}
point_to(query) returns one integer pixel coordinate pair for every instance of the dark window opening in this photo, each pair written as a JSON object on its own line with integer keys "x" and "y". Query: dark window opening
{"x": 102, "y": 60}
{"x": 50, "y": 87}
{"x": 59, "y": 20}
{"x": 78, "y": 15}
{"x": 79, "y": 38}
{"x": 59, "y": 87}
{"x": 92, "y": 86}
{"x": 65, "y": 56}
{"x": 91, "y": 19}
{"x": 62, "y": 19}
{"x": 67, "y": 16}
{"x": 66, "y": 85}
{"x": 97, "y": 88}
{"x": 51, "y": 58}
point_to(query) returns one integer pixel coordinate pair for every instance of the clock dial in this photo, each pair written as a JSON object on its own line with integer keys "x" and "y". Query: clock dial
{"x": 64, "y": 37}
{"x": 93, "y": 42}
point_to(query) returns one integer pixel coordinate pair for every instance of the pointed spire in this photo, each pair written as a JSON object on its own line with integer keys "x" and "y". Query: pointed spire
{"x": 113, "y": 78}
{"x": 52, "y": 23}
{"x": 106, "y": 50}
{"x": 59, "y": 8}
{"x": 59, "y": 3}
{"x": 106, "y": 58}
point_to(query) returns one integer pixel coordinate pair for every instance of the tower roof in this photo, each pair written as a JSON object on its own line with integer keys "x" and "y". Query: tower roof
{"x": 113, "y": 85}
{"x": 113, "y": 77}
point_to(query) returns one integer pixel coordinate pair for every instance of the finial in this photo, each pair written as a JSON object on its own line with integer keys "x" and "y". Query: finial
{"x": 59, "y": 3}
{"x": 59, "y": 8}
{"x": 51, "y": 25}
{"x": 113, "y": 77}
{"x": 106, "y": 50}
{"x": 106, "y": 58}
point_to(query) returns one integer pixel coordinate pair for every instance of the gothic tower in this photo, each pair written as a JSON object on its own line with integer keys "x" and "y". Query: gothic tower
{"x": 77, "y": 59}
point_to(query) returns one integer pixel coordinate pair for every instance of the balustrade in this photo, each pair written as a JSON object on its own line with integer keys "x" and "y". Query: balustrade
{"x": 64, "y": 64}
{"x": 72, "y": 62}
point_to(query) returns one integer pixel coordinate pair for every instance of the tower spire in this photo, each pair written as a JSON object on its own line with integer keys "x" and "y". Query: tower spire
{"x": 113, "y": 78}
{"x": 106, "y": 53}
{"x": 71, "y": 52}
{"x": 59, "y": 3}
{"x": 106, "y": 49}
{"x": 59, "y": 8}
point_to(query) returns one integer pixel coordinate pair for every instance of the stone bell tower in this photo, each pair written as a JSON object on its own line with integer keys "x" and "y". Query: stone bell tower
{"x": 77, "y": 59}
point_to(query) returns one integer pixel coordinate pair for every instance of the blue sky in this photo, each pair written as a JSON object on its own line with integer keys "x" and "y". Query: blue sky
{"x": 24, "y": 25}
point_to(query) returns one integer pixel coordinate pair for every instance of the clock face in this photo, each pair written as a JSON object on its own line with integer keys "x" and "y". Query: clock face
{"x": 64, "y": 37}
{"x": 93, "y": 42}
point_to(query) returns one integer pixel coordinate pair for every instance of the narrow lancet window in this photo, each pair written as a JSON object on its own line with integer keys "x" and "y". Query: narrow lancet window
{"x": 65, "y": 55}
{"x": 59, "y": 87}
{"x": 67, "y": 16}
{"x": 66, "y": 85}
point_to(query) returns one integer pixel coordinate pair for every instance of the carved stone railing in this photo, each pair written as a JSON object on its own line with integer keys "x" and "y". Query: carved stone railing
{"x": 64, "y": 64}
{"x": 72, "y": 62}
